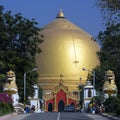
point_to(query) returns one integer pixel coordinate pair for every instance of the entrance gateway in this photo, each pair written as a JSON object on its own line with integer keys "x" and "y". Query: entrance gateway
{"x": 61, "y": 106}
{"x": 59, "y": 98}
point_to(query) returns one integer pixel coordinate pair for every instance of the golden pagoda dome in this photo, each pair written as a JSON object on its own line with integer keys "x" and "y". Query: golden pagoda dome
{"x": 66, "y": 49}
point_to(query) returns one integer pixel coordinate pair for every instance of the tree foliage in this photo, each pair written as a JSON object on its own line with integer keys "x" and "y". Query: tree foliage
{"x": 109, "y": 54}
{"x": 19, "y": 42}
{"x": 112, "y": 104}
{"x": 110, "y": 10}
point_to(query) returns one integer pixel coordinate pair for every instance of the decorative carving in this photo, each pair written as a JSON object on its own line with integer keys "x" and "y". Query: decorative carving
{"x": 48, "y": 96}
{"x": 61, "y": 86}
{"x": 109, "y": 86}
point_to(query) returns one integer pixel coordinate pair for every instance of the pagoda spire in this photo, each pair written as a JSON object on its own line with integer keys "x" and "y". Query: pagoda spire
{"x": 60, "y": 14}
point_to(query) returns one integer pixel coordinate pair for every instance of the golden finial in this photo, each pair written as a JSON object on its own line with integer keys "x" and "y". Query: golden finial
{"x": 61, "y": 76}
{"x": 60, "y": 14}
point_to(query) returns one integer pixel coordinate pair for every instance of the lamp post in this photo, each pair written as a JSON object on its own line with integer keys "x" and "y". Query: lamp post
{"x": 34, "y": 69}
{"x": 94, "y": 79}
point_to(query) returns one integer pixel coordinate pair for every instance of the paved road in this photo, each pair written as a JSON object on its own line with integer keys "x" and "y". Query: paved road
{"x": 64, "y": 116}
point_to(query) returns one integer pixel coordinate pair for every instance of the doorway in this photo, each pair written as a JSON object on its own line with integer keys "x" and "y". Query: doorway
{"x": 50, "y": 107}
{"x": 61, "y": 106}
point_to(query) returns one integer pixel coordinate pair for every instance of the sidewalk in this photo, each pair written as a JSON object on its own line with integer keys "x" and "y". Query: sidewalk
{"x": 18, "y": 117}
{"x": 13, "y": 116}
{"x": 5, "y": 117}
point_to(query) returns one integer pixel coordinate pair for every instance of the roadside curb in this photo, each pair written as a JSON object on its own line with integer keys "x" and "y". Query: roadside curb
{"x": 110, "y": 116}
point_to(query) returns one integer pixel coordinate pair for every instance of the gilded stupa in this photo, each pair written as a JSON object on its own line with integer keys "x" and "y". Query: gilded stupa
{"x": 66, "y": 49}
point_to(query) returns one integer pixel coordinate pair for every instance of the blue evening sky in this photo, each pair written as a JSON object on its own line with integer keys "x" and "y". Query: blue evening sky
{"x": 80, "y": 12}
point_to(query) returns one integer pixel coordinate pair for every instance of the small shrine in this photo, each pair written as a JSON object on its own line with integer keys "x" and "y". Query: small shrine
{"x": 89, "y": 93}
{"x": 35, "y": 101}
{"x": 59, "y": 98}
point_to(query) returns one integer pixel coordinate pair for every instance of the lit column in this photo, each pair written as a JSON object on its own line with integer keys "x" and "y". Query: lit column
{"x": 24, "y": 88}
{"x": 34, "y": 69}
{"x": 55, "y": 103}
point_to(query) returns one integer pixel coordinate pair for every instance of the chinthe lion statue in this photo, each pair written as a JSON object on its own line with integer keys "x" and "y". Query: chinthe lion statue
{"x": 10, "y": 86}
{"x": 109, "y": 86}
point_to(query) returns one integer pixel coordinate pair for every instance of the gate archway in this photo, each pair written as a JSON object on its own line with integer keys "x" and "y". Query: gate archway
{"x": 72, "y": 103}
{"x": 50, "y": 107}
{"x": 61, "y": 106}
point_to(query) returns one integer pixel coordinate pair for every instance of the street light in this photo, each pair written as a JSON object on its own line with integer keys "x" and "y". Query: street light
{"x": 34, "y": 69}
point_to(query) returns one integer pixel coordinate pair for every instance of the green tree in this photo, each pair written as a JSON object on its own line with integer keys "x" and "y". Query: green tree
{"x": 112, "y": 104}
{"x": 19, "y": 40}
{"x": 110, "y": 10}
{"x": 109, "y": 54}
